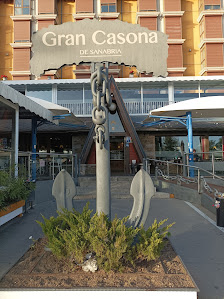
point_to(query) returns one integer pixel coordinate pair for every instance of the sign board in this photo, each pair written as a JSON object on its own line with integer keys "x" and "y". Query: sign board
{"x": 99, "y": 41}
{"x": 128, "y": 140}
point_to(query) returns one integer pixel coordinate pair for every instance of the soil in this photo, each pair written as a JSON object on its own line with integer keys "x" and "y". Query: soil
{"x": 39, "y": 268}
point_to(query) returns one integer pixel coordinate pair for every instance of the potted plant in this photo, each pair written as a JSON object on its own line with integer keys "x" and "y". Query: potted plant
{"x": 131, "y": 74}
{"x": 4, "y": 77}
{"x": 13, "y": 194}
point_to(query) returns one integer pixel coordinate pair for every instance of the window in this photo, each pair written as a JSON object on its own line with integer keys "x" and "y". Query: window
{"x": 108, "y": 7}
{"x": 212, "y": 7}
{"x": 22, "y": 7}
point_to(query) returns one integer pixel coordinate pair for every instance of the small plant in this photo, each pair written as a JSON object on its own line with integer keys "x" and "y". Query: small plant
{"x": 13, "y": 189}
{"x": 4, "y": 77}
{"x": 151, "y": 241}
{"x": 131, "y": 72}
{"x": 73, "y": 235}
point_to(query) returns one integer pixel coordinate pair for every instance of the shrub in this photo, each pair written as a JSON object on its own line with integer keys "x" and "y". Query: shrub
{"x": 67, "y": 234}
{"x": 13, "y": 189}
{"x": 71, "y": 235}
{"x": 151, "y": 241}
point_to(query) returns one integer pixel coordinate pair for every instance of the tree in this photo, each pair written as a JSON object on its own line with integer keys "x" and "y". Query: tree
{"x": 170, "y": 144}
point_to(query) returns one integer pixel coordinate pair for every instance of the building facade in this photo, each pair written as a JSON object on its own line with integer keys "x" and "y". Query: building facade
{"x": 195, "y": 68}
{"x": 195, "y": 30}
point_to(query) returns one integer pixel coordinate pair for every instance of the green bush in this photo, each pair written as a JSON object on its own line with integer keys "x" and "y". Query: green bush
{"x": 71, "y": 235}
{"x": 13, "y": 189}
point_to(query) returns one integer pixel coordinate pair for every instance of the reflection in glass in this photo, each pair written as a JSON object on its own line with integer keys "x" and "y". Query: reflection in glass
{"x": 45, "y": 94}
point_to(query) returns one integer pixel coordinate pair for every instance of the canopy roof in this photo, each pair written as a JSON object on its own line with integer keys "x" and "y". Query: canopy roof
{"x": 205, "y": 107}
{"x": 67, "y": 117}
{"x": 7, "y": 93}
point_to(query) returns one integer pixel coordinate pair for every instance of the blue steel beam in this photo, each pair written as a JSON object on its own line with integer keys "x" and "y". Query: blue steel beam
{"x": 61, "y": 116}
{"x": 34, "y": 147}
{"x": 163, "y": 119}
{"x": 190, "y": 143}
{"x": 187, "y": 122}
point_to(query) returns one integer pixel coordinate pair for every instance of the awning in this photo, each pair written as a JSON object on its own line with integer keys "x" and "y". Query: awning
{"x": 61, "y": 115}
{"x": 205, "y": 107}
{"x": 8, "y": 93}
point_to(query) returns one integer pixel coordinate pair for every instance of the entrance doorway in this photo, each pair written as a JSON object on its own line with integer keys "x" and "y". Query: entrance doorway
{"x": 117, "y": 155}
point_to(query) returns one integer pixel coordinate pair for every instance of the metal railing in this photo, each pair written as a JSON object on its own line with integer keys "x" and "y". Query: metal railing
{"x": 180, "y": 172}
{"x": 136, "y": 107}
{"x": 212, "y": 162}
{"x": 47, "y": 165}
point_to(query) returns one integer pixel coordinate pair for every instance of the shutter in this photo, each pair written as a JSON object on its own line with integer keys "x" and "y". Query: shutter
{"x": 150, "y": 23}
{"x": 21, "y": 77}
{"x": 172, "y": 5}
{"x": 214, "y": 54}
{"x": 212, "y": 2}
{"x": 173, "y": 27}
{"x": 175, "y": 58}
{"x": 108, "y": 1}
{"x": 46, "y": 7}
{"x": 21, "y": 59}
{"x": 44, "y": 23}
{"x": 21, "y": 31}
{"x": 213, "y": 26}
{"x": 144, "y": 5}
{"x": 84, "y": 6}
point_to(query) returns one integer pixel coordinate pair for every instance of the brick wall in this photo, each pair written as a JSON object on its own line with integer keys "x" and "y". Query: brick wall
{"x": 78, "y": 142}
{"x": 148, "y": 143}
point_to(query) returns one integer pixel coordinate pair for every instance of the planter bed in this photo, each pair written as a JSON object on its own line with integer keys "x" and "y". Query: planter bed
{"x": 11, "y": 211}
{"x": 38, "y": 269}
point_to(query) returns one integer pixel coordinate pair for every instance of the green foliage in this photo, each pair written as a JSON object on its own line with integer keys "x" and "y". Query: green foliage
{"x": 13, "y": 189}
{"x": 151, "y": 241}
{"x": 71, "y": 235}
{"x": 67, "y": 234}
{"x": 110, "y": 240}
{"x": 170, "y": 143}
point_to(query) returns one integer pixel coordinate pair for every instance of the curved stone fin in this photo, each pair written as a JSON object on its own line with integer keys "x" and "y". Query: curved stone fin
{"x": 149, "y": 193}
{"x": 64, "y": 190}
{"x": 142, "y": 189}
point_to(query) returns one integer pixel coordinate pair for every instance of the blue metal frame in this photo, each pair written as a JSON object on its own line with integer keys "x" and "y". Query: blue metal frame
{"x": 187, "y": 122}
{"x": 34, "y": 148}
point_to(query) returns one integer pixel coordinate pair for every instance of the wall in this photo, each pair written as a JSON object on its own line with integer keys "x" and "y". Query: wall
{"x": 6, "y": 37}
{"x": 127, "y": 12}
{"x": 78, "y": 142}
{"x": 66, "y": 9}
{"x": 186, "y": 194}
{"x": 190, "y": 32}
{"x": 148, "y": 143}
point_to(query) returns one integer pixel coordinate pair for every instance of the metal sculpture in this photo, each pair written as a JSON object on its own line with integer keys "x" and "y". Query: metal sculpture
{"x": 142, "y": 188}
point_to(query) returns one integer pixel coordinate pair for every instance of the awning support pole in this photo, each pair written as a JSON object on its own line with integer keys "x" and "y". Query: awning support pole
{"x": 34, "y": 148}
{"x": 190, "y": 143}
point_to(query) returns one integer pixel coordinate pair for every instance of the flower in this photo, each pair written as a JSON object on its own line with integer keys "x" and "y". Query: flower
{"x": 4, "y": 76}
{"x": 131, "y": 72}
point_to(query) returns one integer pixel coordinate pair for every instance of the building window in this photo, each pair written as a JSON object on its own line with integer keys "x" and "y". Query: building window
{"x": 212, "y": 7}
{"x": 22, "y": 7}
{"x": 108, "y": 7}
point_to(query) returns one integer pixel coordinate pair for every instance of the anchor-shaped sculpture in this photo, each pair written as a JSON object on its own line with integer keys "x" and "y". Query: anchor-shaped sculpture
{"x": 142, "y": 190}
